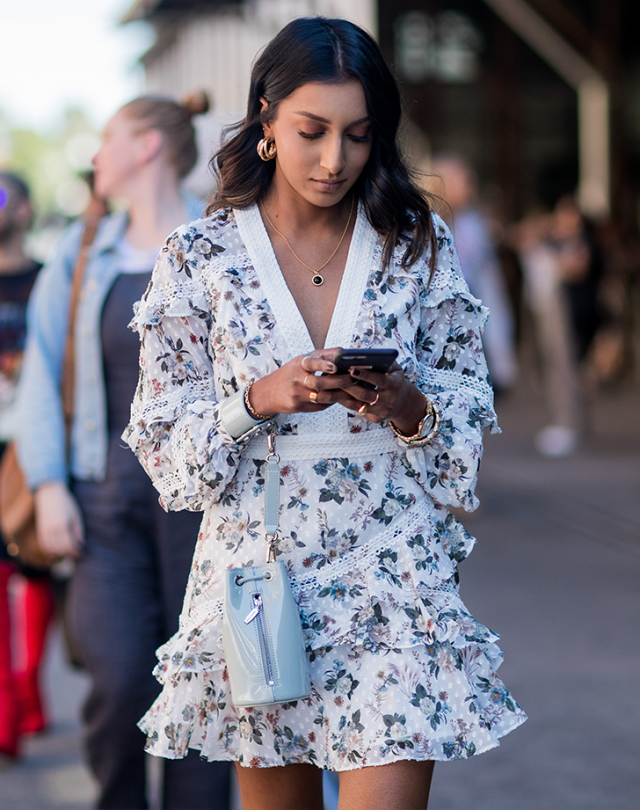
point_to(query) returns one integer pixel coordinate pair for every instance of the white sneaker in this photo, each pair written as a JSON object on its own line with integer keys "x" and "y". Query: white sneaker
{"x": 556, "y": 441}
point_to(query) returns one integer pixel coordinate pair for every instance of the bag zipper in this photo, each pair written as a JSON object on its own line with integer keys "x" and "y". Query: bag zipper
{"x": 257, "y": 612}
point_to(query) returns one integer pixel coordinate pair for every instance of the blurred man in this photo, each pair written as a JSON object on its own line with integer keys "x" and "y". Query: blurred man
{"x": 23, "y": 625}
{"x": 480, "y": 266}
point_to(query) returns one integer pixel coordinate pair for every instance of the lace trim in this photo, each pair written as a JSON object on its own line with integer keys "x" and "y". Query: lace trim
{"x": 451, "y": 286}
{"x": 296, "y": 448}
{"x": 448, "y": 277}
{"x": 360, "y": 559}
{"x": 179, "y": 447}
{"x": 164, "y": 408}
{"x": 286, "y": 314}
{"x": 453, "y": 380}
{"x": 165, "y": 295}
{"x": 354, "y": 282}
{"x": 168, "y": 483}
{"x": 364, "y": 250}
{"x": 227, "y": 261}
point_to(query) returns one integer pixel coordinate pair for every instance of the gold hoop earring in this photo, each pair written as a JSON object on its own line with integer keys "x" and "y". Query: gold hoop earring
{"x": 267, "y": 149}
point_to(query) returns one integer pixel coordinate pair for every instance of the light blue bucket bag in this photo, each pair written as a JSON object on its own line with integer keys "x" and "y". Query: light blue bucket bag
{"x": 262, "y": 632}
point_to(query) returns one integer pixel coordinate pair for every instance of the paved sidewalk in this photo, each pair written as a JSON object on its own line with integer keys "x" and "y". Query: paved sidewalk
{"x": 557, "y": 573}
{"x": 51, "y": 773}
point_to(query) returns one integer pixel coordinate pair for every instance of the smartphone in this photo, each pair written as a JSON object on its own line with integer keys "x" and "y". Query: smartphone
{"x": 379, "y": 360}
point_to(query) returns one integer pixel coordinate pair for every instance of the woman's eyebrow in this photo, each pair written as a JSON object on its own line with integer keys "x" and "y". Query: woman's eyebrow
{"x": 324, "y": 120}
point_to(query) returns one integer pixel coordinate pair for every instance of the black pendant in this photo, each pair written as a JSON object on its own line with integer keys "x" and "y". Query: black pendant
{"x": 317, "y": 279}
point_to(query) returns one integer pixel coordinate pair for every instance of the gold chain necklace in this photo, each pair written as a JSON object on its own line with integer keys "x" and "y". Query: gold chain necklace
{"x": 317, "y": 278}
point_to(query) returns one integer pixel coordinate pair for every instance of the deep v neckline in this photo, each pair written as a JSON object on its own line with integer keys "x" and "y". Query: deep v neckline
{"x": 280, "y": 298}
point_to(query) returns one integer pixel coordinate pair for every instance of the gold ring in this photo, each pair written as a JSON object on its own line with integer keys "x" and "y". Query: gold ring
{"x": 371, "y": 404}
{"x": 311, "y": 357}
{"x": 363, "y": 408}
{"x": 313, "y": 396}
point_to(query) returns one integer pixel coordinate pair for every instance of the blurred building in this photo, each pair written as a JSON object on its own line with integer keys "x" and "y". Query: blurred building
{"x": 541, "y": 96}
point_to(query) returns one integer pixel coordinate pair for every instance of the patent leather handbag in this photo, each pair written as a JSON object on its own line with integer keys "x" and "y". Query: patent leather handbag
{"x": 262, "y": 632}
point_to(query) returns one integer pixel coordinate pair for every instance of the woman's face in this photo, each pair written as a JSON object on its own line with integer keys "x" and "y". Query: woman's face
{"x": 322, "y": 134}
{"x": 119, "y": 157}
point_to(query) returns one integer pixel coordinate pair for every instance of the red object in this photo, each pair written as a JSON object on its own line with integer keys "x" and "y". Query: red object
{"x": 21, "y": 709}
{"x": 37, "y": 611}
{"x": 9, "y": 713}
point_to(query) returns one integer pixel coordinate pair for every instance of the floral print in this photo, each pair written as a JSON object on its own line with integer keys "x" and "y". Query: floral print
{"x": 399, "y": 668}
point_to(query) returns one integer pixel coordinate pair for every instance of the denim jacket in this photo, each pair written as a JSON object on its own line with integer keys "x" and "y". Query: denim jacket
{"x": 40, "y": 430}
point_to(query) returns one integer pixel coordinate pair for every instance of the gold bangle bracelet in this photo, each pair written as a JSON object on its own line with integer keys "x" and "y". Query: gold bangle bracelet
{"x": 418, "y": 439}
{"x": 259, "y": 417}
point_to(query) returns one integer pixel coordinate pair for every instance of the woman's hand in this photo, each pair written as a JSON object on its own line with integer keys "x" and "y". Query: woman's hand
{"x": 58, "y": 520}
{"x": 394, "y": 398}
{"x": 294, "y": 388}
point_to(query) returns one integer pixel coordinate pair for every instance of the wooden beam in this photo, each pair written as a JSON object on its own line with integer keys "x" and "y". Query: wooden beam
{"x": 544, "y": 40}
{"x": 570, "y": 26}
{"x": 593, "y": 99}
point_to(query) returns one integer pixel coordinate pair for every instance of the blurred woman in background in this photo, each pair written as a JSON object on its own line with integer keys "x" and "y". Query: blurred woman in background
{"x": 132, "y": 559}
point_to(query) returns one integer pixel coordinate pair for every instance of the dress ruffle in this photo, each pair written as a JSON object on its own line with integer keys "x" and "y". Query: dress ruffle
{"x": 385, "y": 628}
{"x": 399, "y": 587}
{"x": 439, "y": 700}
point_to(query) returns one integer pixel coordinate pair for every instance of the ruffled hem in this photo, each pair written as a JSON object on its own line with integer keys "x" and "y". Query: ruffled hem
{"x": 379, "y": 626}
{"x": 426, "y": 702}
{"x": 400, "y": 681}
{"x": 390, "y": 594}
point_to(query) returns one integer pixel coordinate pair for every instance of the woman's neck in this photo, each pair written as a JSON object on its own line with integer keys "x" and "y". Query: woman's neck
{"x": 294, "y": 215}
{"x": 155, "y": 209}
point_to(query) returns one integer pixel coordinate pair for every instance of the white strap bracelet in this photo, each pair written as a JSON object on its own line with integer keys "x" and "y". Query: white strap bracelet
{"x": 236, "y": 420}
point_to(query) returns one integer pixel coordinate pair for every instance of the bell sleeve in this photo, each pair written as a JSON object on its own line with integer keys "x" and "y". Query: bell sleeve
{"x": 451, "y": 370}
{"x": 174, "y": 428}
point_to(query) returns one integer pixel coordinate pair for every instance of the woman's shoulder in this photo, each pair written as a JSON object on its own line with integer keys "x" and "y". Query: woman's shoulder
{"x": 447, "y": 258}
{"x": 448, "y": 268}
{"x": 177, "y": 286}
{"x": 440, "y": 280}
{"x": 220, "y": 224}
{"x": 193, "y": 245}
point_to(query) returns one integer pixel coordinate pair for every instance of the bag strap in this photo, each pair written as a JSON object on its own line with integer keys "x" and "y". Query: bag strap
{"x": 272, "y": 497}
{"x": 94, "y": 213}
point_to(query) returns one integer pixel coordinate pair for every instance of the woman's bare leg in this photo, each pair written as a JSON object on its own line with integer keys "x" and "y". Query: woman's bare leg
{"x": 292, "y": 787}
{"x": 400, "y": 785}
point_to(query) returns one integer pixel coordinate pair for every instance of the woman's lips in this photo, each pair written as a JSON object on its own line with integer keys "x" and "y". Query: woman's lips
{"x": 329, "y": 185}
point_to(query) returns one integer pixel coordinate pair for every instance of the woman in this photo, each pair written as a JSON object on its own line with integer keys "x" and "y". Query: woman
{"x": 133, "y": 559}
{"x": 312, "y": 185}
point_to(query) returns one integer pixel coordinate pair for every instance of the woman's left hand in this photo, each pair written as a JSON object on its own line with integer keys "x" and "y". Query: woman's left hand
{"x": 394, "y": 398}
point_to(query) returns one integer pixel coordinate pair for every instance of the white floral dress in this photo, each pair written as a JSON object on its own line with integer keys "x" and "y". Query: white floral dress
{"x": 399, "y": 668}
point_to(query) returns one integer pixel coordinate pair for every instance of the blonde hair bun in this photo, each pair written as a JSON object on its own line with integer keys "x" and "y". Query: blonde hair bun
{"x": 196, "y": 103}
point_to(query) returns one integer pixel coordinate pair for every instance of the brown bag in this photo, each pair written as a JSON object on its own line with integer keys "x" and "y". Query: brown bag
{"x": 17, "y": 502}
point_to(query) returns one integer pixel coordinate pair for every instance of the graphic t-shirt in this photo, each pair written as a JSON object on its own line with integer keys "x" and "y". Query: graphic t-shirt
{"x": 15, "y": 288}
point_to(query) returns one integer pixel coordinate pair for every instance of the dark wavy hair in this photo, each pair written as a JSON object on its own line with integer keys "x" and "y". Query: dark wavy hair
{"x": 318, "y": 49}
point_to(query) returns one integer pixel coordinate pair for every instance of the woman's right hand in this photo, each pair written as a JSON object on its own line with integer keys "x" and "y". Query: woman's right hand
{"x": 294, "y": 388}
{"x": 58, "y": 520}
